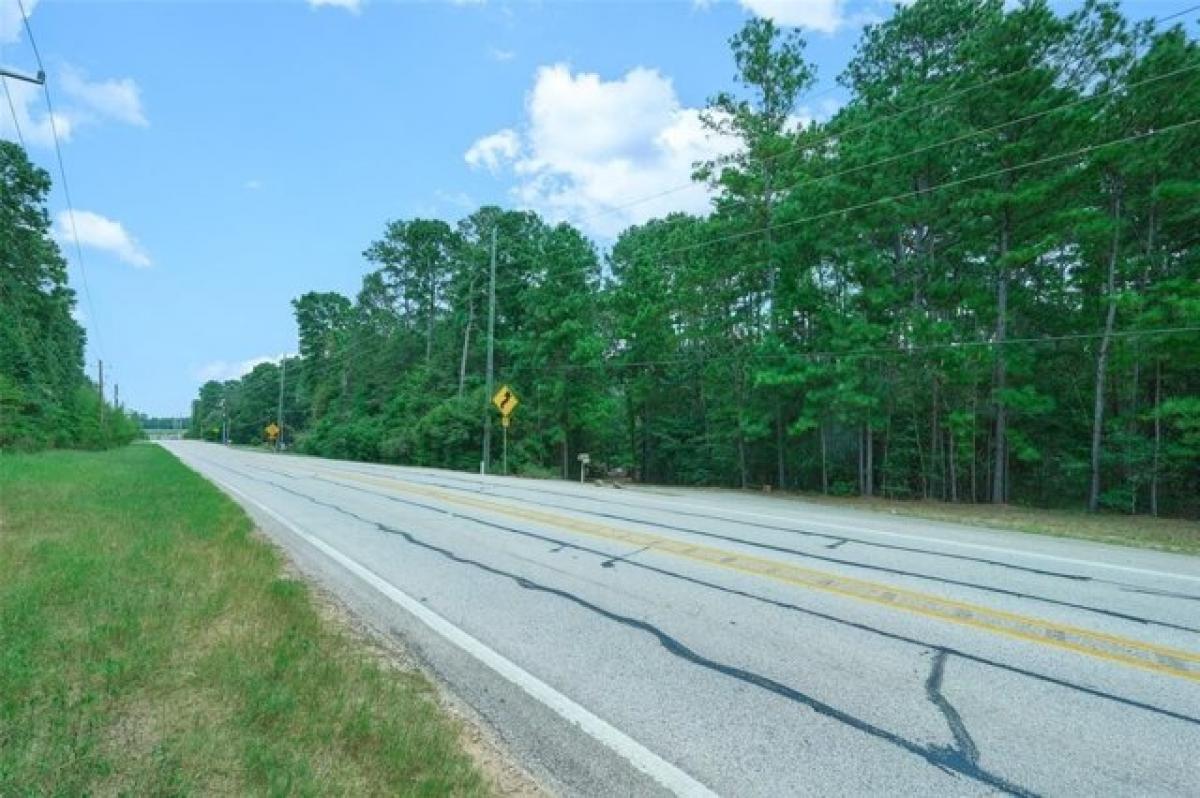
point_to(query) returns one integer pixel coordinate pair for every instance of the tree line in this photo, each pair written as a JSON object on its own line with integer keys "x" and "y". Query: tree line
{"x": 978, "y": 281}
{"x": 46, "y": 399}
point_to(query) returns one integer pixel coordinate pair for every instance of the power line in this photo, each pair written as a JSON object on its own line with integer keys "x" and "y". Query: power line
{"x": 614, "y": 362}
{"x": 939, "y": 187}
{"x": 62, "y": 171}
{"x": 924, "y": 192}
{"x": 907, "y": 195}
{"x": 13, "y": 110}
{"x": 832, "y": 133}
{"x": 955, "y": 140}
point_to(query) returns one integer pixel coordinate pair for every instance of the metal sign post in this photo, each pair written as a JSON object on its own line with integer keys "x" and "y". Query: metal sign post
{"x": 584, "y": 458}
{"x": 504, "y": 422}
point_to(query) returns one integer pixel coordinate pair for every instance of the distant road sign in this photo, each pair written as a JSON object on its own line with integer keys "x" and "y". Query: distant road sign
{"x": 505, "y": 421}
{"x": 272, "y": 431}
{"x": 584, "y": 457}
{"x": 505, "y": 400}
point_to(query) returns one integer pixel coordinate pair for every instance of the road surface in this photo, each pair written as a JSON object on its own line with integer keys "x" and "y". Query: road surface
{"x": 655, "y": 641}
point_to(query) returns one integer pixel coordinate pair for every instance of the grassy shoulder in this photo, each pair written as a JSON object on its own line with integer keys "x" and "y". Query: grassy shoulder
{"x": 1163, "y": 534}
{"x": 149, "y": 644}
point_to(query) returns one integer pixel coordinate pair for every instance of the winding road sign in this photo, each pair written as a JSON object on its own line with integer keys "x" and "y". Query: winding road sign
{"x": 505, "y": 400}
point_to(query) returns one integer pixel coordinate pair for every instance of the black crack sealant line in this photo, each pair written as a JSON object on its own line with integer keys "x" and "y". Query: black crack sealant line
{"x": 964, "y": 745}
{"x": 560, "y": 545}
{"x": 1002, "y": 591}
{"x": 944, "y": 759}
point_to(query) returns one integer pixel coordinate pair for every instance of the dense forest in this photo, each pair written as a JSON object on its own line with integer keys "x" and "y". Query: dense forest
{"x": 45, "y": 398}
{"x": 979, "y": 281}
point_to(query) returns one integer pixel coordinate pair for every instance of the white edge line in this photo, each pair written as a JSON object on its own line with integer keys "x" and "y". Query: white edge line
{"x": 642, "y": 758}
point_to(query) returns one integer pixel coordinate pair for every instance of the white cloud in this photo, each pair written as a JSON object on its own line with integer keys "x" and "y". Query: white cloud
{"x": 498, "y": 54}
{"x": 592, "y": 146}
{"x": 11, "y": 27}
{"x": 119, "y": 100}
{"x": 231, "y": 370}
{"x": 457, "y": 199}
{"x": 493, "y": 150}
{"x": 102, "y": 233}
{"x": 819, "y": 15}
{"x": 353, "y": 6}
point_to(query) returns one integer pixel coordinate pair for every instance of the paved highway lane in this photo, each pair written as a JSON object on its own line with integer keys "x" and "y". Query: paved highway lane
{"x": 638, "y": 641}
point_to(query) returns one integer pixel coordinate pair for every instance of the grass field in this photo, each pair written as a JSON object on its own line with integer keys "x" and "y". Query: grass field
{"x": 1141, "y": 531}
{"x": 150, "y": 644}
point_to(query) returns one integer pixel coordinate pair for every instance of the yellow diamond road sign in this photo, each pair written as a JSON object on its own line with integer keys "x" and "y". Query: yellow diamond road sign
{"x": 272, "y": 430}
{"x": 505, "y": 400}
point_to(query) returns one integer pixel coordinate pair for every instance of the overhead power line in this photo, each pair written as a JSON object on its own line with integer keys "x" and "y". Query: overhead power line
{"x": 13, "y": 110}
{"x": 62, "y": 172}
{"x": 832, "y": 133}
{"x": 878, "y": 201}
{"x": 917, "y": 192}
{"x": 611, "y": 362}
{"x": 940, "y": 187}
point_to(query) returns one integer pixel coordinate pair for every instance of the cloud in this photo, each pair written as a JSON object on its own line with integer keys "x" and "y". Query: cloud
{"x": 102, "y": 233}
{"x": 497, "y": 54}
{"x": 456, "y": 199}
{"x": 353, "y": 6}
{"x": 591, "y": 146}
{"x": 223, "y": 370}
{"x": 825, "y": 16}
{"x": 119, "y": 100}
{"x": 493, "y": 150}
{"x": 11, "y": 27}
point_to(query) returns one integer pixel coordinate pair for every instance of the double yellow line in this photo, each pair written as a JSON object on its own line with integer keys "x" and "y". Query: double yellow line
{"x": 1113, "y": 648}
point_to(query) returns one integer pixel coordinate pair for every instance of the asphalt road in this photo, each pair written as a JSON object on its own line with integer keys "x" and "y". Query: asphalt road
{"x": 643, "y": 641}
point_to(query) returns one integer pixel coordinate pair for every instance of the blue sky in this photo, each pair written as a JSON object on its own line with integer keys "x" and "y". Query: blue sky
{"x": 225, "y": 157}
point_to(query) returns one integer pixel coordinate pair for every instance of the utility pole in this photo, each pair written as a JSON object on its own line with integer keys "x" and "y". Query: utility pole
{"x": 100, "y": 385}
{"x": 224, "y": 422}
{"x": 491, "y": 347}
{"x": 279, "y": 415}
{"x": 116, "y": 396}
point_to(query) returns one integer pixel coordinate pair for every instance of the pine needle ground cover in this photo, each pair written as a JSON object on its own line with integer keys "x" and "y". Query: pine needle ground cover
{"x": 150, "y": 643}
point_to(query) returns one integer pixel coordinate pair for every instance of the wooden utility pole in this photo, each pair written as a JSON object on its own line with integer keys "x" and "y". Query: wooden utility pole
{"x": 100, "y": 385}
{"x": 491, "y": 363}
{"x": 279, "y": 414}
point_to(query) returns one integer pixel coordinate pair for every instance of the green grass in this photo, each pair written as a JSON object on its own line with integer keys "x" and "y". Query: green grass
{"x": 1140, "y": 531}
{"x": 150, "y": 644}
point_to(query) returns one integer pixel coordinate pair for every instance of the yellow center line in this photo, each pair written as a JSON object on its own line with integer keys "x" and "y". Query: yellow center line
{"x": 1113, "y": 648}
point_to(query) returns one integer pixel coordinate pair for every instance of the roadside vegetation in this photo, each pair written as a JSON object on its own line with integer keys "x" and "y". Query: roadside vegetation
{"x": 46, "y": 400}
{"x": 977, "y": 281}
{"x": 150, "y": 644}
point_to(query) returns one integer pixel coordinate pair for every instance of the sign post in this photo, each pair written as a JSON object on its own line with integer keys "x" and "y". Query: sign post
{"x": 504, "y": 422}
{"x": 584, "y": 458}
